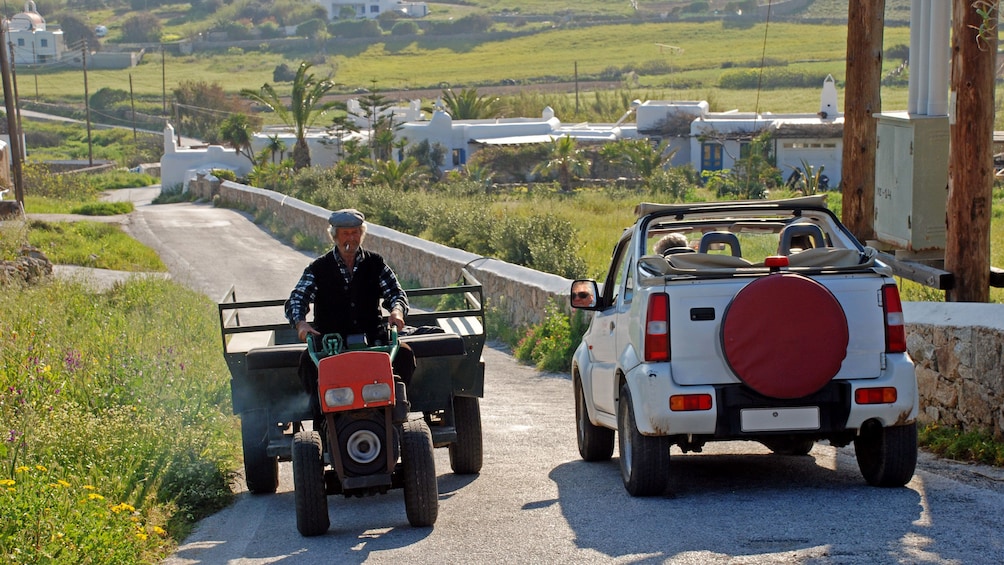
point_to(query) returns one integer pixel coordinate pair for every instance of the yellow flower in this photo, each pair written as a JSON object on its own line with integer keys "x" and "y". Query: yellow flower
{"x": 122, "y": 507}
{"x": 41, "y": 468}
{"x": 95, "y": 496}
{"x": 159, "y": 531}
{"x": 88, "y": 487}
{"x": 21, "y": 469}
{"x": 141, "y": 535}
{"x": 46, "y": 369}
{"x": 7, "y": 483}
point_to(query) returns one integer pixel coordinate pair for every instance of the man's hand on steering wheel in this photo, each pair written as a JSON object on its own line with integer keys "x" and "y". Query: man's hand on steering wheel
{"x": 303, "y": 328}
{"x": 396, "y": 319}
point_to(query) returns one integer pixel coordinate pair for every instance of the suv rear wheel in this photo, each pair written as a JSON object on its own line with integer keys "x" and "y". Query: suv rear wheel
{"x": 644, "y": 460}
{"x": 887, "y": 457}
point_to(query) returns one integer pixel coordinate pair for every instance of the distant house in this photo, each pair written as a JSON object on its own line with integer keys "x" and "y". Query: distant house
{"x": 32, "y": 42}
{"x": 348, "y": 9}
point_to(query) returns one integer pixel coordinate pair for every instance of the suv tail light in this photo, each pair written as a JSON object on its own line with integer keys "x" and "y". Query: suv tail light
{"x": 895, "y": 329}
{"x": 657, "y": 328}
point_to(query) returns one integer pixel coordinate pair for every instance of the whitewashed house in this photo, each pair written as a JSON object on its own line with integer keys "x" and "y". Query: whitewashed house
{"x": 32, "y": 42}
{"x": 347, "y": 9}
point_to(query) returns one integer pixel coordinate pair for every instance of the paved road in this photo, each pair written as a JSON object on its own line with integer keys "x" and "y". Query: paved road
{"x": 537, "y": 502}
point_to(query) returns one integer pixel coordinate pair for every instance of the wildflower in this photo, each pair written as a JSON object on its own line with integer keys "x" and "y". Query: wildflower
{"x": 41, "y": 468}
{"x": 95, "y": 496}
{"x": 63, "y": 483}
{"x": 142, "y": 535}
{"x": 21, "y": 469}
{"x": 122, "y": 507}
{"x": 159, "y": 531}
{"x": 7, "y": 482}
{"x": 89, "y": 487}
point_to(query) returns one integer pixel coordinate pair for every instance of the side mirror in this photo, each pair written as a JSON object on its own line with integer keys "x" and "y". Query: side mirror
{"x": 583, "y": 294}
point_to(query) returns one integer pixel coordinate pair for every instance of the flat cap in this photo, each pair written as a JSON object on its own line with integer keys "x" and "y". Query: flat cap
{"x": 346, "y": 218}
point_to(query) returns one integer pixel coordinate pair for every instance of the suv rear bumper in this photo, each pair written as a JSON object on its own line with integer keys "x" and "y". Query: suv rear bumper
{"x": 652, "y": 387}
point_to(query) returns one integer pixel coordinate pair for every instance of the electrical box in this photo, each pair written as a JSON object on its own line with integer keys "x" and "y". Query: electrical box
{"x": 911, "y": 181}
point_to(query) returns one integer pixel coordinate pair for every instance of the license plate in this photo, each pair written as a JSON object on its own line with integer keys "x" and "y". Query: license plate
{"x": 772, "y": 419}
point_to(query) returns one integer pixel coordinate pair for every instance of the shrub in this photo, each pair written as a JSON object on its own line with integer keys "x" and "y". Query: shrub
{"x": 550, "y": 344}
{"x": 143, "y": 27}
{"x": 107, "y": 97}
{"x": 283, "y": 73}
{"x": 355, "y": 28}
{"x": 406, "y": 27}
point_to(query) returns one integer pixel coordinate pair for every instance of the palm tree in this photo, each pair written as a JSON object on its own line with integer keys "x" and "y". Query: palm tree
{"x": 304, "y": 109}
{"x": 404, "y": 175}
{"x": 639, "y": 155}
{"x": 566, "y": 159}
{"x": 236, "y": 130}
{"x": 468, "y": 105}
{"x": 276, "y": 146}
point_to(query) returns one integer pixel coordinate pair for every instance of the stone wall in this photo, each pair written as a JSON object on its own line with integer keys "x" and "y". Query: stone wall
{"x": 957, "y": 347}
{"x": 521, "y": 294}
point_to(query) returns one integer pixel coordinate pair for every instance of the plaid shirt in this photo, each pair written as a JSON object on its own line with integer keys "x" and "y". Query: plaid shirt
{"x": 306, "y": 289}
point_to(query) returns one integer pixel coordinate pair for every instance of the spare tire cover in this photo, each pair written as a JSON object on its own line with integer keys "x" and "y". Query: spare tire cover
{"x": 784, "y": 335}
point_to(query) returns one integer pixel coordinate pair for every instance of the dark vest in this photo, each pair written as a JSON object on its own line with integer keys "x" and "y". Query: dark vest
{"x": 348, "y": 308}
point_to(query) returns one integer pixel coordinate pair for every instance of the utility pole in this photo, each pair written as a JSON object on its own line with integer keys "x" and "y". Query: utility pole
{"x": 865, "y": 21}
{"x": 14, "y": 131}
{"x": 970, "y": 174}
{"x": 87, "y": 107}
{"x": 132, "y": 103}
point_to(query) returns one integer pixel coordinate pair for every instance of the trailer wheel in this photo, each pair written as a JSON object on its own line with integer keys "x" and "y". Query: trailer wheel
{"x": 421, "y": 492}
{"x": 644, "y": 460}
{"x": 308, "y": 484}
{"x": 596, "y": 443}
{"x": 887, "y": 457}
{"x": 467, "y": 453}
{"x": 261, "y": 472}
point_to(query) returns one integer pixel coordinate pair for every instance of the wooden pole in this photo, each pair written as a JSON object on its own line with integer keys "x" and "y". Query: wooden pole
{"x": 970, "y": 161}
{"x": 13, "y": 129}
{"x": 865, "y": 22}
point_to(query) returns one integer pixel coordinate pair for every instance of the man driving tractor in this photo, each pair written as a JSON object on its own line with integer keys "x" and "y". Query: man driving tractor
{"x": 347, "y": 286}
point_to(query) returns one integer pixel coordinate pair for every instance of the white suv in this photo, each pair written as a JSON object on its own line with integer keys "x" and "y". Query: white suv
{"x": 770, "y": 322}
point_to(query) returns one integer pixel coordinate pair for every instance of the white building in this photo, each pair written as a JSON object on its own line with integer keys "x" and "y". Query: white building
{"x": 709, "y": 141}
{"x": 32, "y": 42}
{"x": 340, "y": 9}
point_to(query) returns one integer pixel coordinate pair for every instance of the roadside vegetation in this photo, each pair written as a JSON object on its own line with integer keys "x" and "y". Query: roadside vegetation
{"x": 117, "y": 430}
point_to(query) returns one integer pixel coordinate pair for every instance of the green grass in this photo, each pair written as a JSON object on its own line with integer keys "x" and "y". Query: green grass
{"x": 93, "y": 244}
{"x": 117, "y": 427}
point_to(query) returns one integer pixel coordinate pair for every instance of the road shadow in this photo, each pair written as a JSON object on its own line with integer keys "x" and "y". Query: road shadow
{"x": 359, "y": 528}
{"x": 734, "y": 505}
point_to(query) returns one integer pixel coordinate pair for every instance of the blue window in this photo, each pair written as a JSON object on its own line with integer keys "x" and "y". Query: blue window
{"x": 375, "y": 9}
{"x": 45, "y": 43}
{"x": 711, "y": 156}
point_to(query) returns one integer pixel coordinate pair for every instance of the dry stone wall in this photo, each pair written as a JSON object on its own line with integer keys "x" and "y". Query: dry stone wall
{"x": 957, "y": 347}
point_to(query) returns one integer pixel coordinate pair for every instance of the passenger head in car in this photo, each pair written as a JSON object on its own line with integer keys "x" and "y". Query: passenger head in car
{"x": 670, "y": 242}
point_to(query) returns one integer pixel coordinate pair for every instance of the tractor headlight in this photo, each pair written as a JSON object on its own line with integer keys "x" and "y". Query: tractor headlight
{"x": 338, "y": 397}
{"x": 376, "y": 392}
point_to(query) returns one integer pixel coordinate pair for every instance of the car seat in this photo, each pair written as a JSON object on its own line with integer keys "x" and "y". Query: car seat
{"x": 722, "y": 237}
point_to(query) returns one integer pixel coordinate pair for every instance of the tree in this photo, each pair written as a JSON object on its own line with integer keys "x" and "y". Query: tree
{"x": 76, "y": 30}
{"x": 305, "y": 107}
{"x": 143, "y": 27}
{"x": 237, "y": 130}
{"x": 202, "y": 108}
{"x": 377, "y": 111}
{"x": 409, "y": 173}
{"x": 468, "y": 105}
{"x": 566, "y": 160}
{"x": 275, "y": 147}
{"x": 432, "y": 156}
{"x": 639, "y": 155}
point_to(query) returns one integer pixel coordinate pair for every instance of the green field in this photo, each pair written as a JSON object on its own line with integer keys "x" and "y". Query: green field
{"x": 708, "y": 50}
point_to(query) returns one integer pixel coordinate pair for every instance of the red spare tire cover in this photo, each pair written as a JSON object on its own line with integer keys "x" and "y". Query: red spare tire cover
{"x": 784, "y": 335}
